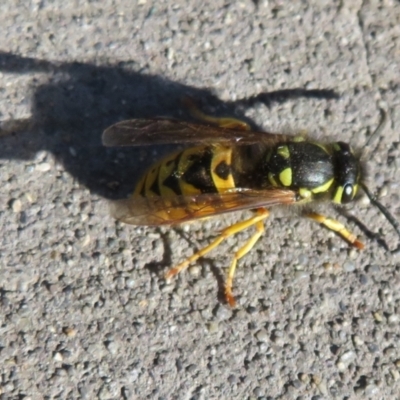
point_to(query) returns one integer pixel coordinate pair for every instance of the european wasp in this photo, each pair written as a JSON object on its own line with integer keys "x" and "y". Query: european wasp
{"x": 228, "y": 167}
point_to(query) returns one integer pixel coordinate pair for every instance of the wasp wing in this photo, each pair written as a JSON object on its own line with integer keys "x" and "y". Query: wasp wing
{"x": 159, "y": 131}
{"x": 156, "y": 211}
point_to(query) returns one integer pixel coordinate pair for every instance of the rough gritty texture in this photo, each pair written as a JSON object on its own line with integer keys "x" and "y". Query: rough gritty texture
{"x": 85, "y": 312}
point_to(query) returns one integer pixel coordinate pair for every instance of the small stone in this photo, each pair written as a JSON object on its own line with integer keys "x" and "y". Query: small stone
{"x": 357, "y": 341}
{"x": 85, "y": 240}
{"x": 58, "y": 357}
{"x": 262, "y": 336}
{"x": 191, "y": 368}
{"x": 16, "y": 205}
{"x": 43, "y": 167}
{"x": 316, "y": 379}
{"x": 349, "y": 266}
{"x": 112, "y": 347}
{"x": 395, "y": 373}
{"x": 104, "y": 393}
{"x": 30, "y": 197}
{"x": 297, "y": 384}
{"x": 303, "y": 259}
{"x": 378, "y": 316}
{"x": 304, "y": 378}
{"x": 41, "y": 155}
{"x": 341, "y": 366}
{"x": 328, "y": 266}
{"x": 69, "y": 331}
{"x": 393, "y": 319}
{"x": 371, "y": 391}
{"x": 130, "y": 283}
{"x": 277, "y": 338}
{"x": 323, "y": 389}
{"x": 22, "y": 285}
{"x": 364, "y": 201}
{"x": 300, "y": 275}
{"x": 373, "y": 348}
{"x": 348, "y": 356}
{"x": 251, "y": 310}
{"x": 213, "y": 327}
{"x": 345, "y": 359}
{"x": 373, "y": 268}
{"x": 353, "y": 254}
{"x": 389, "y": 351}
{"x": 383, "y": 192}
{"x": 223, "y": 313}
{"x": 195, "y": 270}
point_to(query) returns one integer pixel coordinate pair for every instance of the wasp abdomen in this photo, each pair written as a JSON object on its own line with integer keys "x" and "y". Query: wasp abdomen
{"x": 205, "y": 169}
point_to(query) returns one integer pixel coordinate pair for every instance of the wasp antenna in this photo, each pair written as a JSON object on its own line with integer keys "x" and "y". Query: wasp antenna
{"x": 376, "y": 133}
{"x": 385, "y": 212}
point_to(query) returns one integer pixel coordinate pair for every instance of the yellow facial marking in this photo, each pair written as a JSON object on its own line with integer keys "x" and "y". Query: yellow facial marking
{"x": 305, "y": 193}
{"x": 272, "y": 179}
{"x": 355, "y": 189}
{"x": 323, "y": 188}
{"x": 286, "y": 177}
{"x": 337, "y": 198}
{"x": 283, "y": 151}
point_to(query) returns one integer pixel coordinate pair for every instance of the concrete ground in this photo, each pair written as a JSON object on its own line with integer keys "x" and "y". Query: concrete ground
{"x": 85, "y": 311}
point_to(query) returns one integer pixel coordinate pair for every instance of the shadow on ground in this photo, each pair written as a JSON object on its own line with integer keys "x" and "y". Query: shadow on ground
{"x": 70, "y": 112}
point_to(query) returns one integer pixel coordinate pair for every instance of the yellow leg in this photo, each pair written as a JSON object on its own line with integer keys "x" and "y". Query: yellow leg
{"x": 257, "y": 219}
{"x": 238, "y": 255}
{"x": 337, "y": 227}
{"x": 229, "y": 123}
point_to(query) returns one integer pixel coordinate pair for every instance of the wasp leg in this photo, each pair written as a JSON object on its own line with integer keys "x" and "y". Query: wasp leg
{"x": 261, "y": 214}
{"x": 337, "y": 227}
{"x": 238, "y": 255}
{"x": 225, "y": 122}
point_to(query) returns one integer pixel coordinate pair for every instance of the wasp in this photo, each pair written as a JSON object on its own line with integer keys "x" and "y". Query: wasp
{"x": 228, "y": 167}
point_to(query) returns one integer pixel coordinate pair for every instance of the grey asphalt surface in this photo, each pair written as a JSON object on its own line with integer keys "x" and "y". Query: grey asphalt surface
{"x": 85, "y": 312}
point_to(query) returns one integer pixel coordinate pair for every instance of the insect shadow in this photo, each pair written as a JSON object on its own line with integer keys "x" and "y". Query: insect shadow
{"x": 158, "y": 268}
{"x": 79, "y": 100}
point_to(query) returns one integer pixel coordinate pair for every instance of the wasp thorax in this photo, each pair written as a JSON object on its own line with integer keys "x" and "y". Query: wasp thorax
{"x": 314, "y": 170}
{"x": 302, "y": 166}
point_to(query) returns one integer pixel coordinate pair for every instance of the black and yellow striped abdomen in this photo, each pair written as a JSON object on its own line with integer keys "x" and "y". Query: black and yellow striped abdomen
{"x": 184, "y": 175}
{"x": 203, "y": 169}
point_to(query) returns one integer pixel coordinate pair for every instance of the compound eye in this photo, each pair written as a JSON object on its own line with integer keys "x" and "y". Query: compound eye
{"x": 348, "y": 193}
